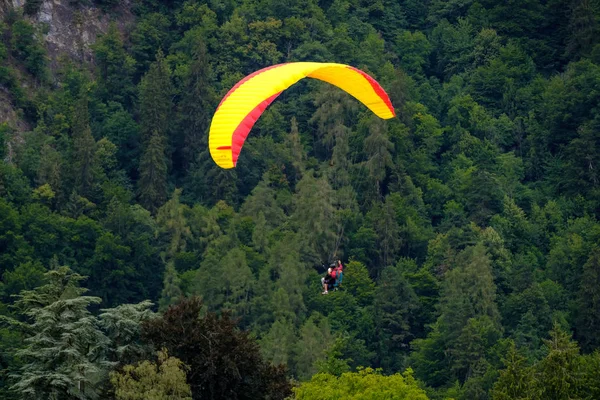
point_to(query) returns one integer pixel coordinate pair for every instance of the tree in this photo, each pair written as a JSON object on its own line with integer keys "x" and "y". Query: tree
{"x": 224, "y": 362}
{"x": 155, "y": 97}
{"x": 115, "y": 68}
{"x": 378, "y": 148}
{"x": 123, "y": 327}
{"x": 171, "y": 292}
{"x": 312, "y": 345}
{"x": 587, "y": 323}
{"x": 152, "y": 186}
{"x": 314, "y": 216}
{"x": 559, "y": 373}
{"x": 162, "y": 381}
{"x": 468, "y": 324}
{"x": 172, "y": 220}
{"x": 197, "y": 105}
{"x": 64, "y": 352}
{"x": 516, "y": 380}
{"x": 84, "y": 153}
{"x": 583, "y": 27}
{"x": 395, "y": 308}
{"x": 364, "y": 384}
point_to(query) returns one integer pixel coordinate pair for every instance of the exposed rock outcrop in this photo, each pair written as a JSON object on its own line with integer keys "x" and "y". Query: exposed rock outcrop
{"x": 71, "y": 30}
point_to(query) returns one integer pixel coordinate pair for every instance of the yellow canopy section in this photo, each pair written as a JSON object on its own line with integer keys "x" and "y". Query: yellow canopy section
{"x": 246, "y": 101}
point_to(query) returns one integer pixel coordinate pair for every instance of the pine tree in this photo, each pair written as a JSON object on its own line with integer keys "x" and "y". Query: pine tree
{"x": 115, "y": 68}
{"x": 559, "y": 373}
{"x": 84, "y": 153}
{"x": 516, "y": 380}
{"x": 197, "y": 105}
{"x": 171, "y": 291}
{"x": 171, "y": 217}
{"x": 152, "y": 186}
{"x": 278, "y": 344}
{"x": 587, "y": 322}
{"x": 314, "y": 341}
{"x": 292, "y": 142}
{"x": 395, "y": 307}
{"x": 64, "y": 348}
{"x": 155, "y": 97}
{"x": 378, "y": 148}
{"x": 314, "y": 216}
{"x": 583, "y": 27}
{"x": 51, "y": 168}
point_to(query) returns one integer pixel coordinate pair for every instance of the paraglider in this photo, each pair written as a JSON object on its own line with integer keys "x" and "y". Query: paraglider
{"x": 245, "y": 102}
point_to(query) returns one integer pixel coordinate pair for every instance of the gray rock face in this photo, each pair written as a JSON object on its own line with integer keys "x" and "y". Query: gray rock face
{"x": 71, "y": 30}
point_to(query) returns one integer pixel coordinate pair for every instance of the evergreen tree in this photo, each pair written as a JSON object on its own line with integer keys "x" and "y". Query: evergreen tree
{"x": 155, "y": 98}
{"x": 84, "y": 162}
{"x": 171, "y": 292}
{"x": 64, "y": 352}
{"x": 395, "y": 306}
{"x": 115, "y": 68}
{"x": 171, "y": 218}
{"x": 152, "y": 186}
{"x": 314, "y": 216}
{"x": 197, "y": 105}
{"x": 516, "y": 380}
{"x": 559, "y": 373}
{"x": 587, "y": 323}
{"x": 123, "y": 327}
{"x": 378, "y": 148}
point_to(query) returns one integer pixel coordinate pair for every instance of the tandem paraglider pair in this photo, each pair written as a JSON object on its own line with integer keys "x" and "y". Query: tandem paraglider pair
{"x": 333, "y": 279}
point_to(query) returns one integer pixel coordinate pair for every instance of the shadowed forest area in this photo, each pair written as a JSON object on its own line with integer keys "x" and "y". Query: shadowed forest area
{"x": 133, "y": 267}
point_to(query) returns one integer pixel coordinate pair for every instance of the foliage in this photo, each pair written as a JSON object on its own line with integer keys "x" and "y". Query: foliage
{"x": 224, "y": 362}
{"x": 364, "y": 384}
{"x": 161, "y": 381}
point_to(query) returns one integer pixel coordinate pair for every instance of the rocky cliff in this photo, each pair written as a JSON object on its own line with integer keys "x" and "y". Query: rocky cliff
{"x": 69, "y": 31}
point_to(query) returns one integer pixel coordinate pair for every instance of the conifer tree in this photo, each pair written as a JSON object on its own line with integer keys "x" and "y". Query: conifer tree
{"x": 155, "y": 97}
{"x": 395, "y": 307}
{"x": 84, "y": 153}
{"x": 559, "y": 373}
{"x": 64, "y": 352}
{"x": 588, "y": 301}
{"x": 171, "y": 291}
{"x": 171, "y": 217}
{"x": 123, "y": 327}
{"x": 197, "y": 105}
{"x": 516, "y": 380}
{"x": 314, "y": 215}
{"x": 115, "y": 68}
{"x": 152, "y": 186}
{"x": 378, "y": 148}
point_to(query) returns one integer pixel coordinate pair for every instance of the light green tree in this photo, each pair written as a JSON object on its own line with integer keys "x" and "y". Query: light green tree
{"x": 165, "y": 380}
{"x": 362, "y": 385}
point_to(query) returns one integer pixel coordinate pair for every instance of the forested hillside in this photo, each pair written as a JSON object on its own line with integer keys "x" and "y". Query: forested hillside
{"x": 468, "y": 225}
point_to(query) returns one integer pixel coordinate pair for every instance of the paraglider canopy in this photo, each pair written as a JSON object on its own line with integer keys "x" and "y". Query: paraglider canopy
{"x": 246, "y": 101}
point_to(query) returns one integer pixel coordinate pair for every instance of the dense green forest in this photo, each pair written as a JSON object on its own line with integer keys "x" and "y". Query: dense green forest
{"x": 133, "y": 267}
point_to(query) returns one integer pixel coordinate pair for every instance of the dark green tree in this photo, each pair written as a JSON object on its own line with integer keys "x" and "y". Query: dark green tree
{"x": 152, "y": 185}
{"x": 224, "y": 362}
